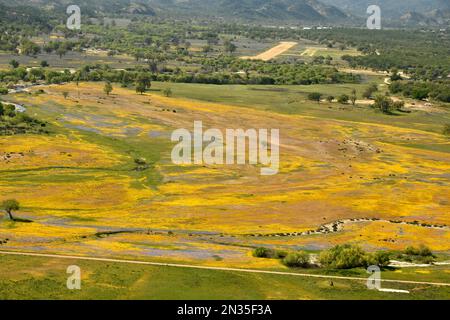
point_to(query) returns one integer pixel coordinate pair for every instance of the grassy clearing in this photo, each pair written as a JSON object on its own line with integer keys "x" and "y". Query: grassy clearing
{"x": 72, "y": 60}
{"x": 293, "y": 100}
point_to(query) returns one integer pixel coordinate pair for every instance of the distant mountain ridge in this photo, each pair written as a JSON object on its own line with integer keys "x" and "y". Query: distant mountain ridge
{"x": 401, "y": 11}
{"x": 303, "y": 10}
{"x": 397, "y": 12}
{"x": 251, "y": 10}
{"x": 91, "y": 7}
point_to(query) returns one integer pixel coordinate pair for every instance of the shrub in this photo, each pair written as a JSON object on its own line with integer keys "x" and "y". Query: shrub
{"x": 411, "y": 251}
{"x": 167, "y": 92}
{"x": 314, "y": 96}
{"x": 398, "y": 105}
{"x": 380, "y": 258}
{"x": 446, "y": 130}
{"x": 395, "y": 87}
{"x": 419, "y": 93}
{"x": 269, "y": 253}
{"x": 370, "y": 91}
{"x": 141, "y": 164}
{"x": 280, "y": 254}
{"x": 421, "y": 254}
{"x": 343, "y": 257}
{"x": 140, "y": 87}
{"x": 9, "y": 110}
{"x": 422, "y": 250}
{"x": 262, "y": 252}
{"x": 3, "y": 91}
{"x": 140, "y": 161}
{"x": 343, "y": 99}
{"x": 296, "y": 260}
{"x": 385, "y": 104}
{"x": 108, "y": 88}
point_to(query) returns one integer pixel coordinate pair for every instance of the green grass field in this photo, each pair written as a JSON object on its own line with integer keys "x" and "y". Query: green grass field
{"x": 293, "y": 100}
{"x": 45, "y": 278}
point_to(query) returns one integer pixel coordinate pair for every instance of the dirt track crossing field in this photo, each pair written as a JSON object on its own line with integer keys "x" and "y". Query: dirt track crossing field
{"x": 273, "y": 52}
{"x": 310, "y": 52}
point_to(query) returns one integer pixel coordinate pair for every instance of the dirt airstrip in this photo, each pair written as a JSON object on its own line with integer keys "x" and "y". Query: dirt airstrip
{"x": 273, "y": 52}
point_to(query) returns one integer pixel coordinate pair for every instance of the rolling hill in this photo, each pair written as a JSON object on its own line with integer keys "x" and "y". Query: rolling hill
{"x": 305, "y": 10}
{"x": 250, "y": 10}
{"x": 404, "y": 13}
{"x": 427, "y": 11}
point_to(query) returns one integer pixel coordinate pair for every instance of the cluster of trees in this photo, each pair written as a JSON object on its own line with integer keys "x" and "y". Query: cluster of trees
{"x": 12, "y": 122}
{"x": 268, "y": 74}
{"x": 369, "y": 91}
{"x": 29, "y": 48}
{"x": 347, "y": 256}
{"x": 387, "y": 105}
{"x": 420, "y": 254}
{"x": 263, "y": 252}
{"x": 299, "y": 259}
{"x": 275, "y": 72}
{"x": 272, "y": 74}
{"x": 342, "y": 99}
{"x": 388, "y": 62}
{"x": 9, "y": 41}
{"x": 157, "y": 42}
{"x": 388, "y": 49}
{"x": 61, "y": 47}
{"x": 7, "y": 110}
{"x": 405, "y": 50}
{"x": 420, "y": 90}
{"x": 322, "y": 60}
{"x": 19, "y": 22}
{"x": 385, "y": 49}
{"x": 301, "y": 74}
{"x": 381, "y": 102}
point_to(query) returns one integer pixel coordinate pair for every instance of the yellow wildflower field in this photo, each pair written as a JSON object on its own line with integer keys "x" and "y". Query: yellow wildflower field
{"x": 84, "y": 192}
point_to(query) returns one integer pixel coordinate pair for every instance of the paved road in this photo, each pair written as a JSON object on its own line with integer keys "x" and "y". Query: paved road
{"x": 211, "y": 268}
